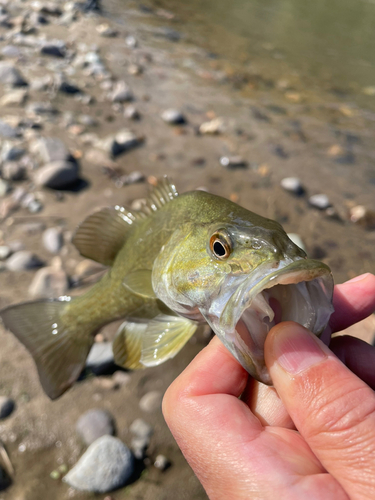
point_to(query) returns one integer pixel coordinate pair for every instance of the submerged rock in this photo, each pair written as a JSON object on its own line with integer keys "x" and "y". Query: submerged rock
{"x": 106, "y": 465}
{"x": 94, "y": 424}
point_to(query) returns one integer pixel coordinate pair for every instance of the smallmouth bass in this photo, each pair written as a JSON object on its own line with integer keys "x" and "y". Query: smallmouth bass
{"x": 181, "y": 261}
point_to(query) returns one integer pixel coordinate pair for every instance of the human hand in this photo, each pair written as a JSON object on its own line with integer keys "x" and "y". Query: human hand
{"x": 248, "y": 448}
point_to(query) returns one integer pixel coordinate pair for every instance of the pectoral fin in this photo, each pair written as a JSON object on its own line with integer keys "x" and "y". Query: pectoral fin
{"x": 164, "y": 337}
{"x": 127, "y": 345}
{"x": 139, "y": 282}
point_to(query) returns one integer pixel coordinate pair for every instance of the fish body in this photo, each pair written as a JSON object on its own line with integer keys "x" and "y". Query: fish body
{"x": 183, "y": 260}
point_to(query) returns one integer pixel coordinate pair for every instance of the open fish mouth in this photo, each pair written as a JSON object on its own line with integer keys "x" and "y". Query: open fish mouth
{"x": 299, "y": 291}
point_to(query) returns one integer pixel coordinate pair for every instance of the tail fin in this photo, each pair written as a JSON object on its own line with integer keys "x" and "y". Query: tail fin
{"x": 59, "y": 354}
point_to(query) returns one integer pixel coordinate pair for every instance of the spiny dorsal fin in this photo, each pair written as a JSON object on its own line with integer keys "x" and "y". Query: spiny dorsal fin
{"x": 102, "y": 234}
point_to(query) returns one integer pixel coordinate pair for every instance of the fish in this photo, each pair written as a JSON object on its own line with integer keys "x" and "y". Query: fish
{"x": 181, "y": 261}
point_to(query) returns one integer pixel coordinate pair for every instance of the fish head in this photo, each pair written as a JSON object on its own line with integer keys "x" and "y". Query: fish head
{"x": 243, "y": 278}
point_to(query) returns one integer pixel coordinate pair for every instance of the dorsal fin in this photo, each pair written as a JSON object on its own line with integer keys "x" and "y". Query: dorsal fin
{"x": 102, "y": 234}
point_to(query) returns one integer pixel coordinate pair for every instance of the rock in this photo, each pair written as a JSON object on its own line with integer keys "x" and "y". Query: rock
{"x": 4, "y": 252}
{"x": 121, "y": 93}
{"x": 7, "y": 131}
{"x": 151, "y": 401}
{"x": 67, "y": 88}
{"x": 94, "y": 424}
{"x": 161, "y": 462}
{"x": 11, "y": 152}
{"x": 106, "y": 465}
{"x": 57, "y": 174}
{"x": 232, "y": 162}
{"x": 319, "y": 201}
{"x": 11, "y": 52}
{"x": 173, "y": 117}
{"x": 121, "y": 378}
{"x": 12, "y": 171}
{"x": 49, "y": 8}
{"x": 135, "y": 69}
{"x": 297, "y": 240}
{"x": 50, "y": 149}
{"x": 131, "y": 42}
{"x": 87, "y": 121}
{"x": 132, "y": 113}
{"x": 123, "y": 141}
{"x": 42, "y": 108}
{"x": 35, "y": 206}
{"x": 53, "y": 239}
{"x": 55, "y": 49}
{"x": 133, "y": 178}
{"x": 6, "y": 406}
{"x": 363, "y": 217}
{"x": 4, "y": 188}
{"x": 15, "y": 98}
{"x": 5, "y": 480}
{"x": 279, "y": 151}
{"x": 214, "y": 127}
{"x": 9, "y": 75}
{"x": 140, "y": 428}
{"x": 23, "y": 260}
{"x": 139, "y": 446}
{"x": 100, "y": 357}
{"x": 293, "y": 185}
{"x": 106, "y": 31}
{"x": 49, "y": 282}
{"x": 41, "y": 84}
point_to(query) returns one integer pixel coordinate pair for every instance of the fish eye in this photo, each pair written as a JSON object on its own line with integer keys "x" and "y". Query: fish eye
{"x": 220, "y": 245}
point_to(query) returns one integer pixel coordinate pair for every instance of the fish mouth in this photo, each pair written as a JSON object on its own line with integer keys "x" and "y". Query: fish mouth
{"x": 299, "y": 291}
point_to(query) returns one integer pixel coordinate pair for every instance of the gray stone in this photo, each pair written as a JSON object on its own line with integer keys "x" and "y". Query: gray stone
{"x": 4, "y": 252}
{"x": 11, "y": 152}
{"x": 7, "y": 131}
{"x": 232, "y": 162}
{"x": 35, "y": 206}
{"x": 363, "y": 216}
{"x": 57, "y": 174}
{"x": 94, "y": 424}
{"x": 55, "y": 49}
{"x": 123, "y": 141}
{"x": 11, "y": 51}
{"x": 139, "y": 446}
{"x": 151, "y": 401}
{"x": 49, "y": 282}
{"x": 106, "y": 31}
{"x": 121, "y": 93}
{"x": 161, "y": 462}
{"x": 49, "y": 8}
{"x": 42, "y": 108}
{"x": 4, "y": 188}
{"x": 132, "y": 113}
{"x": 50, "y": 149}
{"x": 6, "y": 407}
{"x": 53, "y": 239}
{"x": 140, "y": 428}
{"x": 106, "y": 465}
{"x": 100, "y": 356}
{"x": 292, "y": 184}
{"x": 131, "y": 41}
{"x": 319, "y": 201}
{"x": 23, "y": 260}
{"x": 14, "y": 98}
{"x": 13, "y": 171}
{"x": 173, "y": 117}
{"x": 9, "y": 75}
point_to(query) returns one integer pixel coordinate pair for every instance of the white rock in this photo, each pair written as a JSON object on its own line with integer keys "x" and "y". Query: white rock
{"x": 173, "y": 117}
{"x": 57, "y": 175}
{"x": 4, "y": 252}
{"x": 215, "y": 126}
{"x": 106, "y": 465}
{"x": 140, "y": 428}
{"x": 121, "y": 93}
{"x": 94, "y": 424}
{"x": 53, "y": 239}
{"x": 151, "y": 401}
{"x": 22, "y": 260}
{"x": 320, "y": 201}
{"x": 293, "y": 185}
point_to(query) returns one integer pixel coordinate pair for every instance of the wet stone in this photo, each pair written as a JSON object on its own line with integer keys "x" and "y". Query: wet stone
{"x": 131, "y": 41}
{"x": 57, "y": 175}
{"x": 292, "y": 185}
{"x": 53, "y": 239}
{"x": 94, "y": 424}
{"x": 6, "y": 406}
{"x": 173, "y": 117}
{"x": 9, "y": 75}
{"x": 11, "y": 152}
{"x": 11, "y": 51}
{"x": 23, "y": 260}
{"x": 151, "y": 401}
{"x": 49, "y": 282}
{"x": 141, "y": 429}
{"x": 320, "y": 201}
{"x": 106, "y": 465}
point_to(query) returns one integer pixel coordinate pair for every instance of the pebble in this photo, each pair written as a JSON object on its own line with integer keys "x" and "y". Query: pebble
{"x": 213, "y": 127}
{"x": 11, "y": 51}
{"x": 50, "y": 149}
{"x": 161, "y": 462}
{"x": 7, "y": 131}
{"x": 319, "y": 201}
{"x": 4, "y": 188}
{"x": 123, "y": 141}
{"x": 131, "y": 41}
{"x": 293, "y": 185}
{"x": 151, "y": 401}
{"x": 7, "y": 406}
{"x": 363, "y": 217}
{"x": 121, "y": 93}
{"x": 173, "y": 117}
{"x": 53, "y": 239}
{"x": 139, "y": 446}
{"x": 9, "y": 75}
{"x": 4, "y": 252}
{"x": 121, "y": 378}
{"x": 13, "y": 171}
{"x": 233, "y": 162}
{"x": 15, "y": 98}
{"x": 100, "y": 357}
{"x": 141, "y": 429}
{"x": 5, "y": 480}
{"x": 296, "y": 238}
{"x": 49, "y": 282}
{"x": 94, "y": 424}
{"x": 57, "y": 174}
{"x": 131, "y": 113}
{"x": 11, "y": 152}
{"x": 42, "y": 108}
{"x": 23, "y": 260}
{"x": 106, "y": 31}
{"x": 106, "y": 465}
{"x": 55, "y": 49}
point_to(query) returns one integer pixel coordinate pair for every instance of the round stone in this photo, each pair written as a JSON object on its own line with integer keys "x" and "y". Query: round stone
{"x": 94, "y": 424}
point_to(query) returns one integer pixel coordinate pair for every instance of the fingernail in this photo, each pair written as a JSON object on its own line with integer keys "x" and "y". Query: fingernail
{"x": 296, "y": 349}
{"x": 358, "y": 278}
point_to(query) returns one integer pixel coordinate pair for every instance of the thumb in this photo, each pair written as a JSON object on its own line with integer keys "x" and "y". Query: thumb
{"x": 331, "y": 407}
